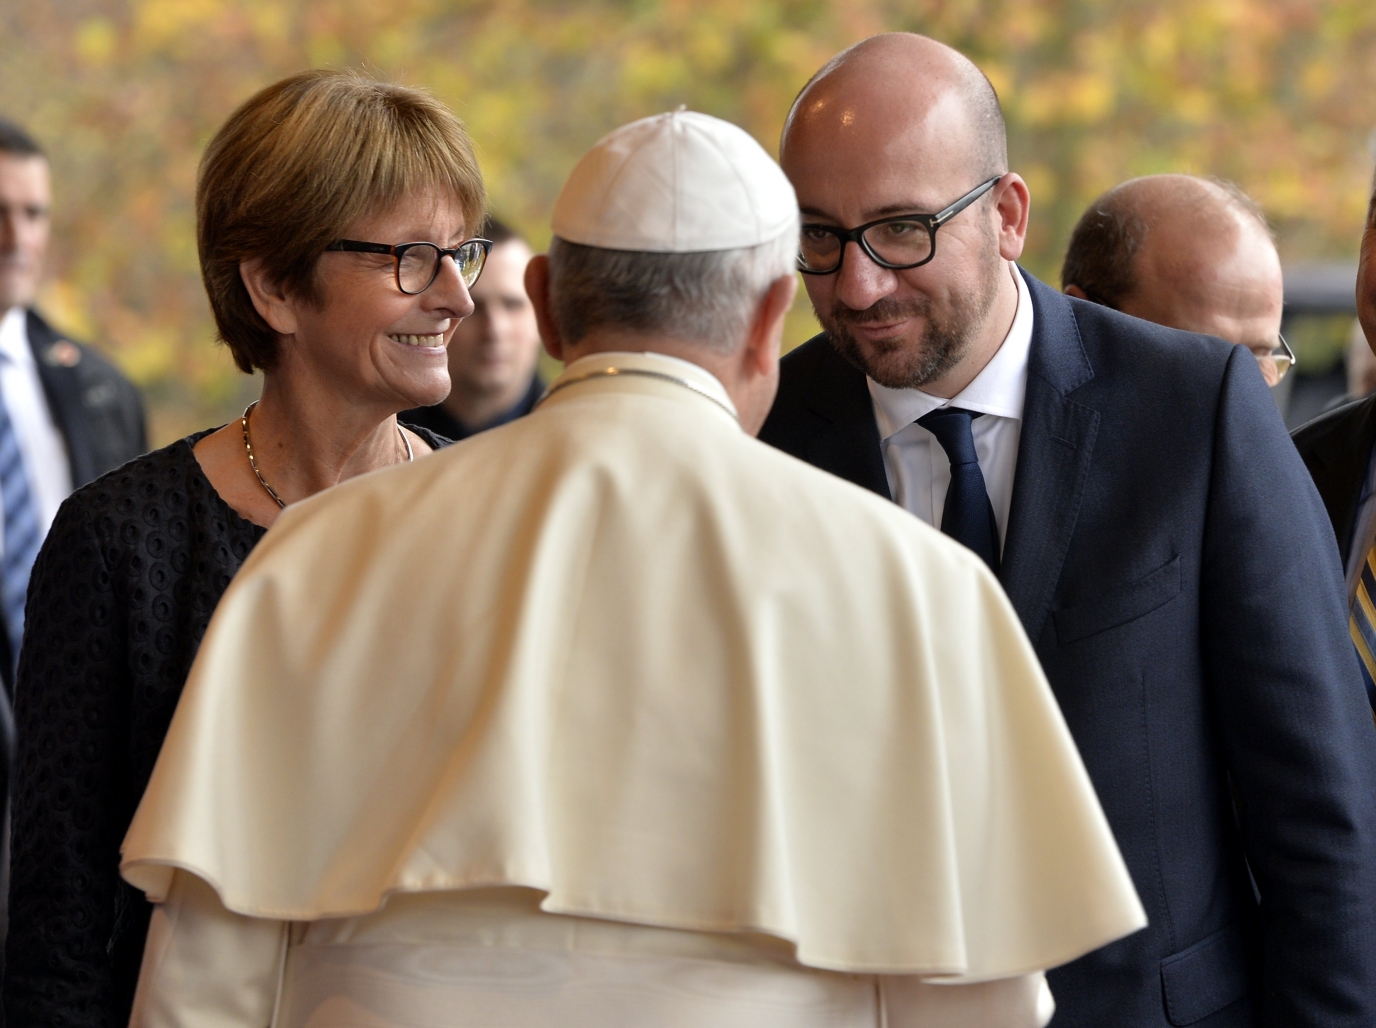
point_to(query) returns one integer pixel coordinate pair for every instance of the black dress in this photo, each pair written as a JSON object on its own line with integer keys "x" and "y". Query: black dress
{"x": 120, "y": 598}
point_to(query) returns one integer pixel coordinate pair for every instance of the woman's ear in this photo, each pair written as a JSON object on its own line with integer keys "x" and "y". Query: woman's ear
{"x": 272, "y": 303}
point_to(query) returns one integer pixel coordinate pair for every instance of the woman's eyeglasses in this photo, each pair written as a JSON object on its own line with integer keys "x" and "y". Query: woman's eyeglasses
{"x": 418, "y": 264}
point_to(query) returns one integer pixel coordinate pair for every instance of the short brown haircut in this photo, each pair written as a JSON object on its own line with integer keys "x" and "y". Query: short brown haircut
{"x": 295, "y": 165}
{"x": 15, "y": 142}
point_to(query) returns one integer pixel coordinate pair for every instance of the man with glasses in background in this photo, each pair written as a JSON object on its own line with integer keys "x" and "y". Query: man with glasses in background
{"x": 1135, "y": 490}
{"x": 1185, "y": 252}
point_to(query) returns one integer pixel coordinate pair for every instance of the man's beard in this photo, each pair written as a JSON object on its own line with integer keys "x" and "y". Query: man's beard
{"x": 903, "y": 364}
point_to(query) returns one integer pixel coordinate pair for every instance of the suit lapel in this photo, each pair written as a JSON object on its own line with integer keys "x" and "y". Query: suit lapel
{"x": 1338, "y": 464}
{"x": 1054, "y": 451}
{"x": 57, "y": 359}
{"x": 849, "y": 446}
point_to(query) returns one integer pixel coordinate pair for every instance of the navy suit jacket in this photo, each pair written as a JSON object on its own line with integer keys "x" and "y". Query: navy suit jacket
{"x": 1171, "y": 561}
{"x": 98, "y": 411}
{"x": 1336, "y": 448}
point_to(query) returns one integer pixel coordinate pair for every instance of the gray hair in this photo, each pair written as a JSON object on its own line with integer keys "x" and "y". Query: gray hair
{"x": 707, "y": 297}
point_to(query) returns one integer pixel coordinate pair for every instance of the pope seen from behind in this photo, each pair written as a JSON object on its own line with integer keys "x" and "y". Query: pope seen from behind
{"x": 615, "y": 716}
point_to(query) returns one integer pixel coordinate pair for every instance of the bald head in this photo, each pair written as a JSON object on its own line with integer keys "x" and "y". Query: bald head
{"x": 1185, "y": 252}
{"x": 895, "y": 127}
{"x": 1104, "y": 250}
{"x": 896, "y": 76}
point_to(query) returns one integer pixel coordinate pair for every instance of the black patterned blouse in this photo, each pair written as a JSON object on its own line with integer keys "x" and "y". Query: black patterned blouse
{"x": 120, "y": 597}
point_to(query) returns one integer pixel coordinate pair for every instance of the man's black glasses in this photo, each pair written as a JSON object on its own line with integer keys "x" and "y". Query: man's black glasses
{"x": 418, "y": 264}
{"x": 901, "y": 242}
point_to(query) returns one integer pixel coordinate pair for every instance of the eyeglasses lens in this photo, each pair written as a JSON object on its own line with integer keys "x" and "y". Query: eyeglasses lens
{"x": 470, "y": 258}
{"x": 416, "y": 267}
{"x": 818, "y": 250}
{"x": 1283, "y": 357}
{"x": 900, "y": 242}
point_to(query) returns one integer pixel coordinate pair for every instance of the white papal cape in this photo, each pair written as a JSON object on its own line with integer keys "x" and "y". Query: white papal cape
{"x": 621, "y": 653}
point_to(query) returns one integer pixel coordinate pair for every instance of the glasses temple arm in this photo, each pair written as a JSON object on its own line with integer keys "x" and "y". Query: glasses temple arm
{"x": 941, "y": 217}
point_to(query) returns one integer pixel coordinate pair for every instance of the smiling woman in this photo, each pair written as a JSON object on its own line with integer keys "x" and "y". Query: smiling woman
{"x": 334, "y": 223}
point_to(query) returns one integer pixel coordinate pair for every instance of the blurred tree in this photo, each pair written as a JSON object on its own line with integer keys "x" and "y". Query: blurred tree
{"x": 1278, "y": 95}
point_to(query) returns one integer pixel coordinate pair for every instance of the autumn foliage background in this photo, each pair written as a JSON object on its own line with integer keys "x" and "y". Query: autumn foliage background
{"x": 1277, "y": 95}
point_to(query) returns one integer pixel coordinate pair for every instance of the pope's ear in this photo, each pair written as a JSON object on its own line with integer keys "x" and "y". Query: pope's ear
{"x": 767, "y": 328}
{"x": 273, "y": 304}
{"x": 537, "y": 288}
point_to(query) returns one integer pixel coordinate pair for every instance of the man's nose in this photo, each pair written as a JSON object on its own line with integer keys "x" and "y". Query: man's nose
{"x": 860, "y": 283}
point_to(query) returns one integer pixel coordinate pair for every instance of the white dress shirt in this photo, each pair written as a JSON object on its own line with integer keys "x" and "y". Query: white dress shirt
{"x": 41, "y": 446}
{"x": 918, "y": 469}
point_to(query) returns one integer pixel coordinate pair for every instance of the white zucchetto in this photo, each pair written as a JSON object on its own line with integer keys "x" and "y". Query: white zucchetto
{"x": 681, "y": 182}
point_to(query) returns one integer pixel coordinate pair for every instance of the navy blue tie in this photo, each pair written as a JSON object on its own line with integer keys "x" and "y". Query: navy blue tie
{"x": 968, "y": 516}
{"x": 21, "y": 532}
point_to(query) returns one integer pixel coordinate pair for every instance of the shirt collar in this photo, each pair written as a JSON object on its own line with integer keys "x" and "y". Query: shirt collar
{"x": 661, "y": 363}
{"x": 14, "y": 337}
{"x": 999, "y": 389}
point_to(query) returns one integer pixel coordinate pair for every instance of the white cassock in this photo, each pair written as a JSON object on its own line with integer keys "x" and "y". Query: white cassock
{"x": 616, "y": 716}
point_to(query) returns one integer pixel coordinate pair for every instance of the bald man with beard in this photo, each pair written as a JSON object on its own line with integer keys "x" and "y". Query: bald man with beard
{"x": 1135, "y": 491}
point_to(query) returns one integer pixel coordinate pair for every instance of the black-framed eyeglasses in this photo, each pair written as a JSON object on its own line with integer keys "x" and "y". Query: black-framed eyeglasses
{"x": 898, "y": 243}
{"x": 418, "y": 264}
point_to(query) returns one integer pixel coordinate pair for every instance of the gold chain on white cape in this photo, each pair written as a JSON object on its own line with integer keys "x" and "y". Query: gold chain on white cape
{"x": 612, "y": 372}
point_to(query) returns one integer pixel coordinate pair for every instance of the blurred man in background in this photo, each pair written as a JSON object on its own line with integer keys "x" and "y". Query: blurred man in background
{"x": 1337, "y": 447}
{"x": 1187, "y": 253}
{"x": 493, "y": 353}
{"x": 68, "y": 415}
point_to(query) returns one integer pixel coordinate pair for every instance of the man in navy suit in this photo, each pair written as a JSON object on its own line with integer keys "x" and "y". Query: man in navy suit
{"x": 69, "y": 415}
{"x": 1135, "y": 490}
{"x": 1339, "y": 447}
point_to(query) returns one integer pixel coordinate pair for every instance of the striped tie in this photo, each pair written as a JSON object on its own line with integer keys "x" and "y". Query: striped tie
{"x": 1361, "y": 624}
{"x": 21, "y": 532}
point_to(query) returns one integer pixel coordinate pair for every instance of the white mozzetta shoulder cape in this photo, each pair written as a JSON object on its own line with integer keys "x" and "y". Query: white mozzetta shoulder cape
{"x": 622, "y": 652}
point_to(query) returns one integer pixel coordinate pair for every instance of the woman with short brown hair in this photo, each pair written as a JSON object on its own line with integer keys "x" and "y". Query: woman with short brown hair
{"x": 335, "y": 217}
